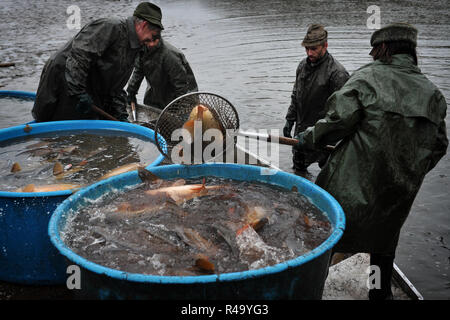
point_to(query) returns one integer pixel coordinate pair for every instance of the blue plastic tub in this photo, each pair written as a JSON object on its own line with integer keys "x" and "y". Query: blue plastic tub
{"x": 26, "y": 254}
{"x": 299, "y": 278}
{"x": 18, "y": 94}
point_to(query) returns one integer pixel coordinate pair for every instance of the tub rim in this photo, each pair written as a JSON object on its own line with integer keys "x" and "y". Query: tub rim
{"x": 338, "y": 229}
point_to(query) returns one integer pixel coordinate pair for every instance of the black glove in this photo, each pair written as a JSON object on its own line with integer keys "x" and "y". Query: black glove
{"x": 131, "y": 98}
{"x": 287, "y": 128}
{"x": 84, "y": 104}
{"x": 123, "y": 118}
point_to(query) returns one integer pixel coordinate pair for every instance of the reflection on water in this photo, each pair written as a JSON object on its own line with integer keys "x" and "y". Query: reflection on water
{"x": 248, "y": 51}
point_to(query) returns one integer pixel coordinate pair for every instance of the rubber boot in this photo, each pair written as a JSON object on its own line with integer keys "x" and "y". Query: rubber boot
{"x": 386, "y": 264}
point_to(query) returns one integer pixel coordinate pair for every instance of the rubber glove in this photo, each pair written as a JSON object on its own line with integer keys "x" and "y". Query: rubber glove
{"x": 301, "y": 142}
{"x": 84, "y": 103}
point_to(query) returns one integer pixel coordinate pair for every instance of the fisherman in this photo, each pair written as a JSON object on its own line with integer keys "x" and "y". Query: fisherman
{"x": 167, "y": 72}
{"x": 94, "y": 67}
{"x": 317, "y": 77}
{"x": 391, "y": 120}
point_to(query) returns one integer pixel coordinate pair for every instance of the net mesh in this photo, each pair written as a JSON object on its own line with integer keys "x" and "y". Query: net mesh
{"x": 175, "y": 115}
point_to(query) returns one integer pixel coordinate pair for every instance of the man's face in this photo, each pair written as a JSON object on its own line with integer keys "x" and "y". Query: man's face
{"x": 146, "y": 36}
{"x": 316, "y": 52}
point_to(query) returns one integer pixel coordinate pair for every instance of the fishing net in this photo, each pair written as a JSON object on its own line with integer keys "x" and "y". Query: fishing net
{"x": 177, "y": 113}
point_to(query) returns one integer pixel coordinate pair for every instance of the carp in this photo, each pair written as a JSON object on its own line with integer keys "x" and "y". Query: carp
{"x": 208, "y": 121}
{"x": 61, "y": 172}
{"x": 48, "y": 188}
{"x": 246, "y": 242}
{"x": 157, "y": 199}
{"x": 180, "y": 194}
{"x": 256, "y": 217}
{"x": 203, "y": 114}
{"x": 122, "y": 169}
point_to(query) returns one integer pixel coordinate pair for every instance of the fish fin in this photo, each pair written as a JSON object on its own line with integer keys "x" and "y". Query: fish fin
{"x": 16, "y": 167}
{"x": 200, "y": 110}
{"x": 258, "y": 224}
{"x": 28, "y": 188}
{"x": 57, "y": 168}
{"x": 203, "y": 262}
{"x": 307, "y": 221}
{"x": 147, "y": 176}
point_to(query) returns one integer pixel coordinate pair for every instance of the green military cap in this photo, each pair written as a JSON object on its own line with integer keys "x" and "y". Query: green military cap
{"x": 315, "y": 36}
{"x": 149, "y": 12}
{"x": 398, "y": 31}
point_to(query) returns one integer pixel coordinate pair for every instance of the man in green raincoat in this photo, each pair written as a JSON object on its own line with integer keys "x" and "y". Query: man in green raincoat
{"x": 167, "y": 72}
{"x": 390, "y": 120}
{"x": 94, "y": 67}
{"x": 317, "y": 77}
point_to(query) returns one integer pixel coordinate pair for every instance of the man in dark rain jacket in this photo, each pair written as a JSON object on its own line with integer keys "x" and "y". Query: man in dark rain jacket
{"x": 94, "y": 67}
{"x": 317, "y": 77}
{"x": 391, "y": 120}
{"x": 167, "y": 72}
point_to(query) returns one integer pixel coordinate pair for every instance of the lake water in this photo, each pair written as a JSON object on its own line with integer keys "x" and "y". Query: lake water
{"x": 247, "y": 52}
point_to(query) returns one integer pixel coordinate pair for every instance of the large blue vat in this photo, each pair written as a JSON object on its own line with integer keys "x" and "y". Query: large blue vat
{"x": 18, "y": 94}
{"x": 26, "y": 253}
{"x": 299, "y": 278}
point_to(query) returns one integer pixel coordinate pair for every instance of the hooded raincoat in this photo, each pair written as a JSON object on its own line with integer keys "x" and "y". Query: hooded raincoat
{"x": 391, "y": 120}
{"x": 98, "y": 61}
{"x": 167, "y": 72}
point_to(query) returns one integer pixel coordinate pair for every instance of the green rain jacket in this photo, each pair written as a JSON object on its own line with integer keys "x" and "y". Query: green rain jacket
{"x": 167, "y": 72}
{"x": 391, "y": 120}
{"x": 98, "y": 61}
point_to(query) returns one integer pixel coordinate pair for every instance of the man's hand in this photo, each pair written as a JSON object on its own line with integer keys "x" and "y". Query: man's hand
{"x": 288, "y": 128}
{"x": 84, "y": 103}
{"x": 300, "y": 146}
{"x": 123, "y": 118}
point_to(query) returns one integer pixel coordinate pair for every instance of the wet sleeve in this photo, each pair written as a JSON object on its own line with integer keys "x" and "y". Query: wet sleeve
{"x": 118, "y": 105}
{"x": 87, "y": 46}
{"x": 345, "y": 111}
{"x": 138, "y": 75}
{"x": 440, "y": 148}
{"x": 338, "y": 79}
{"x": 177, "y": 72}
{"x": 292, "y": 110}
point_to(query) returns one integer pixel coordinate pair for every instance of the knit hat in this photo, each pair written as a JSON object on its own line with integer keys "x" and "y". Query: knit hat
{"x": 149, "y": 12}
{"x": 315, "y": 36}
{"x": 395, "y": 32}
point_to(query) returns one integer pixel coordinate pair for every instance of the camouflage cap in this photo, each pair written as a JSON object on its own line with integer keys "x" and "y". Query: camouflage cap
{"x": 398, "y": 31}
{"x": 149, "y": 12}
{"x": 315, "y": 36}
